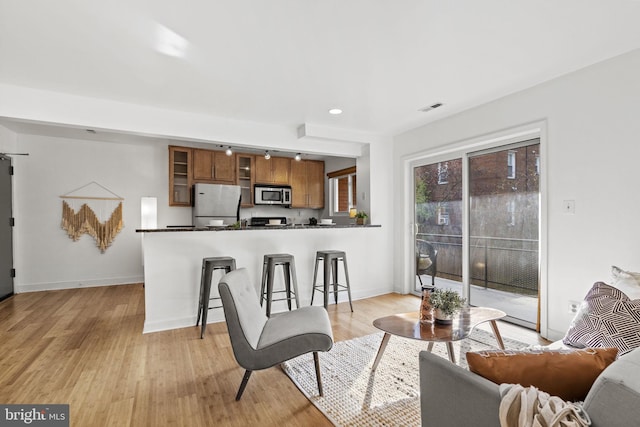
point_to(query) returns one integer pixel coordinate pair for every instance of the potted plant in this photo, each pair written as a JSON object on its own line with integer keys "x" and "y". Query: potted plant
{"x": 446, "y": 303}
{"x": 361, "y": 217}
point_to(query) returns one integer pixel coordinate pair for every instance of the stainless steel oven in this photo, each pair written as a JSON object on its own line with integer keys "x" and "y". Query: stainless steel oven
{"x": 272, "y": 195}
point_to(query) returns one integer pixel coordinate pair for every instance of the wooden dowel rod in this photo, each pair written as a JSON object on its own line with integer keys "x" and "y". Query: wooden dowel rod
{"x": 92, "y": 198}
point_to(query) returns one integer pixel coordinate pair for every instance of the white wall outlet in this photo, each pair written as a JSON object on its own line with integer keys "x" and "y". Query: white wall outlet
{"x": 569, "y": 206}
{"x": 573, "y": 307}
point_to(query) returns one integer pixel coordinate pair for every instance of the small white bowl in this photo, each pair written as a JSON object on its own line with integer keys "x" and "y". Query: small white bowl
{"x": 275, "y": 221}
{"x": 326, "y": 221}
{"x": 216, "y": 222}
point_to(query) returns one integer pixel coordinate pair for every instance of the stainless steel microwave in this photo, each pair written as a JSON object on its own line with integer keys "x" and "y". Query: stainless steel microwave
{"x": 271, "y": 195}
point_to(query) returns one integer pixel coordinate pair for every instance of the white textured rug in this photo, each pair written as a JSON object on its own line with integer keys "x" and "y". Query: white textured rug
{"x": 356, "y": 396}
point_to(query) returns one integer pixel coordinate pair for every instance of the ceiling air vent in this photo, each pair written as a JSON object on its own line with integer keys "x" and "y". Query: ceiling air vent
{"x": 431, "y": 107}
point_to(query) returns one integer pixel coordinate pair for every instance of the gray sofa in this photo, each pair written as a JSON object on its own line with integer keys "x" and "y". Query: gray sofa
{"x": 453, "y": 396}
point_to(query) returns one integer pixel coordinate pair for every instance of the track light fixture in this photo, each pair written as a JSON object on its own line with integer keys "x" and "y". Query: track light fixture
{"x": 298, "y": 157}
{"x": 229, "y": 152}
{"x": 267, "y": 156}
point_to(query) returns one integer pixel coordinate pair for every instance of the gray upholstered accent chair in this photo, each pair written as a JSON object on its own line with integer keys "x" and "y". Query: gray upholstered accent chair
{"x": 260, "y": 342}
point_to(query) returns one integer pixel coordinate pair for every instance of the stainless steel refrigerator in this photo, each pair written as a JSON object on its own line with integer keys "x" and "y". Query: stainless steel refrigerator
{"x": 215, "y": 201}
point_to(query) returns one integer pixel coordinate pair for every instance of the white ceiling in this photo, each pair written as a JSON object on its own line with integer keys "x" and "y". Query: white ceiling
{"x": 286, "y": 62}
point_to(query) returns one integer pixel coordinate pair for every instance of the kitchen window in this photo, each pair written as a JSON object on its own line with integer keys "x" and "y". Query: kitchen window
{"x": 342, "y": 189}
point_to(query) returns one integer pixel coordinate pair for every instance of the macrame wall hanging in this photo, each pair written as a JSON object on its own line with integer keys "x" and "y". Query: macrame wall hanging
{"x": 94, "y": 210}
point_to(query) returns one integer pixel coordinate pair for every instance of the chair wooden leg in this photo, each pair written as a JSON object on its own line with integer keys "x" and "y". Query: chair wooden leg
{"x": 316, "y": 360}
{"x": 245, "y": 379}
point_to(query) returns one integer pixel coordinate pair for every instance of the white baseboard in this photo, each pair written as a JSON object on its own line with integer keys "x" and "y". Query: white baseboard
{"x": 168, "y": 324}
{"x": 52, "y": 286}
{"x": 216, "y": 316}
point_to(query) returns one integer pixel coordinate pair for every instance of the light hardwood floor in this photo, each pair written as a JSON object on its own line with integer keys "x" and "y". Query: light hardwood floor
{"x": 85, "y": 347}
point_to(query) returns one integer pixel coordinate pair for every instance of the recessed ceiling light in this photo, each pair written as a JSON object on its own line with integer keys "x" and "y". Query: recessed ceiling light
{"x": 335, "y": 111}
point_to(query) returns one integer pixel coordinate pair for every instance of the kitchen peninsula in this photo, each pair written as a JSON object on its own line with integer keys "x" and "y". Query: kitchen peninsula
{"x": 173, "y": 263}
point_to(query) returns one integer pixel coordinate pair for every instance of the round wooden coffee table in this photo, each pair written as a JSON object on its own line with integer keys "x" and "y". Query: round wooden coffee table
{"x": 408, "y": 325}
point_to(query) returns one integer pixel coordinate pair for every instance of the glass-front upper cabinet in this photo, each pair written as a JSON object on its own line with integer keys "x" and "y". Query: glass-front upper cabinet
{"x": 179, "y": 176}
{"x": 245, "y": 178}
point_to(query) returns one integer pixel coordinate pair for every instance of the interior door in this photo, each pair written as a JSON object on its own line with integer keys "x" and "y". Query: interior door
{"x": 6, "y": 238}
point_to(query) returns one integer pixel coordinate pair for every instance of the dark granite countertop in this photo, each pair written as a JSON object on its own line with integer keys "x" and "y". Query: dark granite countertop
{"x": 249, "y": 228}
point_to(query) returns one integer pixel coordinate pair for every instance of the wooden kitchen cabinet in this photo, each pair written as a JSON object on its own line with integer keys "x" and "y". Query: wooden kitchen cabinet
{"x": 213, "y": 166}
{"x": 307, "y": 184}
{"x": 276, "y": 170}
{"x": 179, "y": 176}
{"x": 245, "y": 173}
{"x": 188, "y": 166}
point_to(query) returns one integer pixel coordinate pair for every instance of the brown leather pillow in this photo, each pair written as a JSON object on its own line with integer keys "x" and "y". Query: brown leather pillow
{"x": 568, "y": 374}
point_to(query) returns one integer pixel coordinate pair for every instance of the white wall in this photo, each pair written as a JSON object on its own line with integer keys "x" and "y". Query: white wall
{"x": 7, "y": 140}
{"x": 45, "y": 257}
{"x": 593, "y": 150}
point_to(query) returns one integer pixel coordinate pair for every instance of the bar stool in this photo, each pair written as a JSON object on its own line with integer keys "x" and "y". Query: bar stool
{"x": 268, "y": 270}
{"x": 330, "y": 259}
{"x": 225, "y": 263}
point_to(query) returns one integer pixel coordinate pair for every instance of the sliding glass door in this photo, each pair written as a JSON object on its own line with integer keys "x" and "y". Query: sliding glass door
{"x": 438, "y": 220}
{"x": 504, "y": 225}
{"x": 483, "y": 209}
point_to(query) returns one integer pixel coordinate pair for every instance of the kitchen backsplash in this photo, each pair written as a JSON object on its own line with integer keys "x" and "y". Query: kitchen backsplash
{"x": 297, "y": 216}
